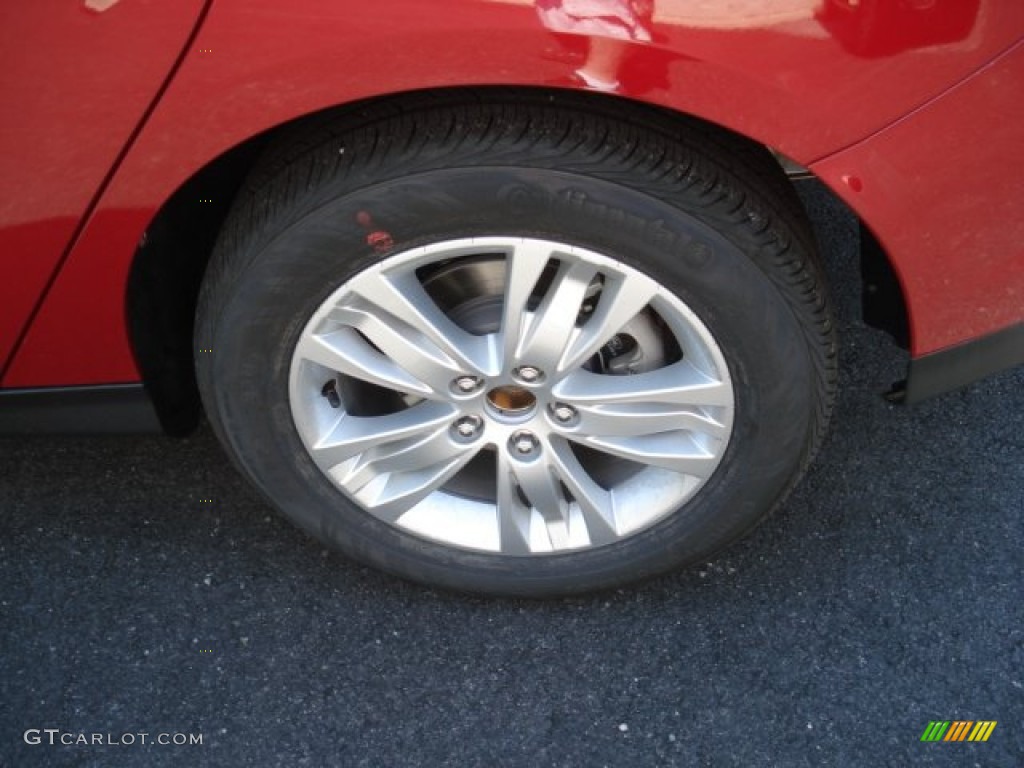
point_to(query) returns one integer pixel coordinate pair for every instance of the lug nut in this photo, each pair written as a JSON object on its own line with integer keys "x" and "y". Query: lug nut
{"x": 524, "y": 444}
{"x": 467, "y": 384}
{"x": 468, "y": 427}
{"x": 528, "y": 373}
{"x": 563, "y": 413}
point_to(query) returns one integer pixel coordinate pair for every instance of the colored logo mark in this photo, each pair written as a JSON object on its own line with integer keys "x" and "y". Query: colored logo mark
{"x": 958, "y": 730}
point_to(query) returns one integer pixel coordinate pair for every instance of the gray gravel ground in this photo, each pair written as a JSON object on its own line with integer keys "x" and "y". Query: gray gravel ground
{"x": 885, "y": 594}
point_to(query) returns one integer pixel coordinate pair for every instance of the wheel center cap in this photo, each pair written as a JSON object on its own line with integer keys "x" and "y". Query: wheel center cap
{"x": 511, "y": 400}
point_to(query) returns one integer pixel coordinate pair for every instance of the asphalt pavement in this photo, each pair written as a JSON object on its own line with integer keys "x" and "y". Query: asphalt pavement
{"x": 144, "y": 588}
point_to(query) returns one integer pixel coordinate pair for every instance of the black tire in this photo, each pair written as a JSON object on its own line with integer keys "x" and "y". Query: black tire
{"x": 705, "y": 214}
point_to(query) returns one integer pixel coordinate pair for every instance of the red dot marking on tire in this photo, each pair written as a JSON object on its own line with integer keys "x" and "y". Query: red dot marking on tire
{"x": 378, "y": 239}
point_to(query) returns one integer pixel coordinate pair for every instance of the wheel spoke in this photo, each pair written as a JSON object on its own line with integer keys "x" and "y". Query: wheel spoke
{"x": 637, "y": 419}
{"x": 523, "y": 267}
{"x": 347, "y": 352}
{"x": 677, "y": 451}
{"x": 390, "y": 495}
{"x": 401, "y": 297}
{"x": 677, "y": 384}
{"x": 620, "y": 300}
{"x": 596, "y": 504}
{"x": 352, "y": 435}
{"x": 542, "y": 489}
{"x": 408, "y": 349}
{"x": 513, "y": 514}
{"x": 550, "y": 328}
{"x": 411, "y": 455}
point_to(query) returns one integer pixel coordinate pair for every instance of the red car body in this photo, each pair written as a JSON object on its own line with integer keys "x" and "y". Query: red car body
{"x": 908, "y": 110}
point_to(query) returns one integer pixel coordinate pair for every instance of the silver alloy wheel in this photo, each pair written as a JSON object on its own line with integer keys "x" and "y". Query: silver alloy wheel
{"x": 511, "y": 395}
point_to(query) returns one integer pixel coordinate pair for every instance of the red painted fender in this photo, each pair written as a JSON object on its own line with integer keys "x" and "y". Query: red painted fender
{"x": 838, "y": 86}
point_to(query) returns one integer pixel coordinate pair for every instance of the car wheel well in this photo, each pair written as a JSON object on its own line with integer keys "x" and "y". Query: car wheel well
{"x": 163, "y": 285}
{"x": 168, "y": 266}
